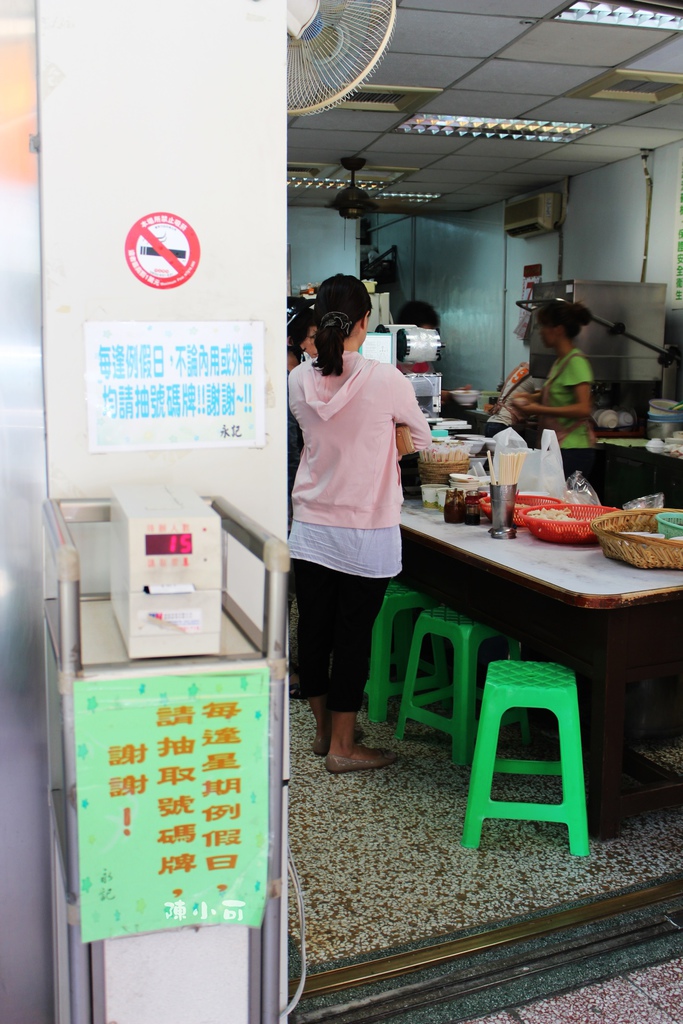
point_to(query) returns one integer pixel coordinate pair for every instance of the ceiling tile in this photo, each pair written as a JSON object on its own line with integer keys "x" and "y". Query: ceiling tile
{"x": 668, "y": 116}
{"x": 443, "y": 176}
{"x": 355, "y": 120}
{"x": 577, "y": 151}
{"x": 299, "y": 154}
{"x": 512, "y": 8}
{"x": 648, "y": 138}
{"x": 521, "y": 76}
{"x": 461, "y": 35}
{"x": 345, "y": 143}
{"x": 421, "y": 69}
{"x": 528, "y": 177}
{"x": 668, "y": 57}
{"x": 444, "y": 187}
{"x": 385, "y": 159}
{"x": 466, "y": 201}
{"x": 556, "y": 42}
{"x": 561, "y": 167}
{"x": 590, "y": 111}
{"x": 492, "y": 104}
{"x": 522, "y": 149}
{"x": 397, "y": 143}
{"x": 485, "y": 188}
{"x": 481, "y": 161}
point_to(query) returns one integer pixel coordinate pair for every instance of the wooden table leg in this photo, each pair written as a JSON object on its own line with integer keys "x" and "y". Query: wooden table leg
{"x": 607, "y": 728}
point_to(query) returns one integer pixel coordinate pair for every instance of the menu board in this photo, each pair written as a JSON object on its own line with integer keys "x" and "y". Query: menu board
{"x": 172, "y": 800}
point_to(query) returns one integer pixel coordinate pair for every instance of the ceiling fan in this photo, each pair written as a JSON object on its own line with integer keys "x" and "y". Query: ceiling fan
{"x": 352, "y": 202}
{"x": 332, "y": 47}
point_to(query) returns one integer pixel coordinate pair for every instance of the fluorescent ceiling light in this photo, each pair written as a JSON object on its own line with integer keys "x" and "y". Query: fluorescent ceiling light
{"x": 375, "y": 187}
{"x": 410, "y": 197}
{"x": 630, "y": 16}
{"x": 495, "y": 128}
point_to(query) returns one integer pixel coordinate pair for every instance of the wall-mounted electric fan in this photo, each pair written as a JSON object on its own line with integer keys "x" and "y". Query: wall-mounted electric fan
{"x": 332, "y": 47}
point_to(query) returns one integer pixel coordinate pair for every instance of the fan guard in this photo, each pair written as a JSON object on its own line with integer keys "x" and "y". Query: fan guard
{"x": 336, "y": 53}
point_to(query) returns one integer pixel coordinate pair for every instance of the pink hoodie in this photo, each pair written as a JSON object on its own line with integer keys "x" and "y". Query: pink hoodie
{"x": 349, "y": 473}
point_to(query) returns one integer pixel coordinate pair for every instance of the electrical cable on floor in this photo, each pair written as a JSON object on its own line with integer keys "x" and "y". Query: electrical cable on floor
{"x": 291, "y": 869}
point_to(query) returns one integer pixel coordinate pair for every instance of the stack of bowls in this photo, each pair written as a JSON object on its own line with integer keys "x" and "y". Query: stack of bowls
{"x": 664, "y": 419}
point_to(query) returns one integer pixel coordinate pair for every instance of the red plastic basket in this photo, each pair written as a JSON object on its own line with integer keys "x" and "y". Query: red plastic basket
{"x": 523, "y": 503}
{"x": 576, "y": 530}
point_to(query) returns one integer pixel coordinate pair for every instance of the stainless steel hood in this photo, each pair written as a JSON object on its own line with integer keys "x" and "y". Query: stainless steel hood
{"x": 637, "y": 308}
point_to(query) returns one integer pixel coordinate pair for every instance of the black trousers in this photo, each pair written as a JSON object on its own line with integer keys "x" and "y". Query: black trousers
{"x": 336, "y": 614}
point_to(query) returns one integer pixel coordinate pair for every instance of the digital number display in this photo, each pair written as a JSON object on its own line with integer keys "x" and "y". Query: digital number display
{"x": 168, "y": 543}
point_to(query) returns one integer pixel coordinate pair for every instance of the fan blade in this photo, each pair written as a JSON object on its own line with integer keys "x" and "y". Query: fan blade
{"x": 300, "y": 14}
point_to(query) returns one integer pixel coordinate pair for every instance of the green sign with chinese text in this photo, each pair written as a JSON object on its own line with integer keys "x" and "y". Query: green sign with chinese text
{"x": 172, "y": 791}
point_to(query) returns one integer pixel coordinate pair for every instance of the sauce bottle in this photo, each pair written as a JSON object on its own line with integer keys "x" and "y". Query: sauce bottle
{"x": 472, "y": 509}
{"x": 454, "y": 507}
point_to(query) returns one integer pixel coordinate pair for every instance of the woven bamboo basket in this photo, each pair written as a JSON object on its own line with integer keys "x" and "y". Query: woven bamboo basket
{"x": 613, "y": 531}
{"x": 438, "y": 472}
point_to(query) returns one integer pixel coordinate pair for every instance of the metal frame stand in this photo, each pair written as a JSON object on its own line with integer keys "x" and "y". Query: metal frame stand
{"x": 62, "y": 612}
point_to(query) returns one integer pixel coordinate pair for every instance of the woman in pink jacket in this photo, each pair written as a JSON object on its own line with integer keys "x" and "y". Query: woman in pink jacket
{"x": 345, "y": 539}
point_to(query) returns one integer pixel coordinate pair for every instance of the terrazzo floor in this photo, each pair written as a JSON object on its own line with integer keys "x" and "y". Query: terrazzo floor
{"x": 381, "y": 866}
{"x": 653, "y": 995}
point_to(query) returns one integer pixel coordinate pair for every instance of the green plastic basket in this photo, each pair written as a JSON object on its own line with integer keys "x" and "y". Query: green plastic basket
{"x": 670, "y": 524}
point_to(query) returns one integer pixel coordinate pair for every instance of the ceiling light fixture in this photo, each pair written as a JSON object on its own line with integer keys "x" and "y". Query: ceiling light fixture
{"x": 410, "y": 197}
{"x": 295, "y": 181}
{"x": 631, "y": 16}
{"x": 494, "y": 127}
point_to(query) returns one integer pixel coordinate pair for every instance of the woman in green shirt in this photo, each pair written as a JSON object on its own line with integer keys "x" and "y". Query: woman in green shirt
{"x": 565, "y": 404}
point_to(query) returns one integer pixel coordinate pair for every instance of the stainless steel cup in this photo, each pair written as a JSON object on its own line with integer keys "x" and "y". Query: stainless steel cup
{"x": 502, "y": 511}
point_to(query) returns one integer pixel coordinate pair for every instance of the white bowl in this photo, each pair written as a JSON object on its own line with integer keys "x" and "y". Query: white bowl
{"x": 465, "y": 397}
{"x": 607, "y": 419}
{"x": 463, "y": 482}
{"x": 474, "y": 442}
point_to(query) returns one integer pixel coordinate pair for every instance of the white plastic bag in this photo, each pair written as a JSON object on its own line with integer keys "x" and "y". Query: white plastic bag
{"x": 542, "y": 470}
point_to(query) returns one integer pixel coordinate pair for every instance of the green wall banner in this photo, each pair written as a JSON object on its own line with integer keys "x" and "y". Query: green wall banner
{"x": 172, "y": 791}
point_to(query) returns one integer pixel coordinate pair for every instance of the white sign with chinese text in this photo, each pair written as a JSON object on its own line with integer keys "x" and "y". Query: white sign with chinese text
{"x": 677, "y": 292}
{"x": 159, "y": 386}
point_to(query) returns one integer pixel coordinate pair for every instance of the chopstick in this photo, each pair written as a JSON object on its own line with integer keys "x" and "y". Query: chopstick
{"x": 509, "y": 466}
{"x": 491, "y": 473}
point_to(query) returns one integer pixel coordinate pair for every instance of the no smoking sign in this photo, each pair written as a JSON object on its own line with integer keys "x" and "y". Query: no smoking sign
{"x": 162, "y": 250}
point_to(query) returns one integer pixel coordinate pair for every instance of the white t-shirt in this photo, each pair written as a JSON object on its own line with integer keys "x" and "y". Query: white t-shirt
{"x": 372, "y": 553}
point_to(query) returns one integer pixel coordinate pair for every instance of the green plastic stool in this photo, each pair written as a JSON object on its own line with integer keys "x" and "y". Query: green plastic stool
{"x": 515, "y": 684}
{"x": 391, "y": 635}
{"x": 458, "y": 692}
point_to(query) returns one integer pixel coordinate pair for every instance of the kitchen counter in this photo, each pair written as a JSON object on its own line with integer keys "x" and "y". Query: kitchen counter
{"x": 610, "y": 622}
{"x": 631, "y": 471}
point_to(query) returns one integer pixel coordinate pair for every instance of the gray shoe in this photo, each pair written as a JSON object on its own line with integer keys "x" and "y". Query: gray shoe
{"x": 336, "y": 764}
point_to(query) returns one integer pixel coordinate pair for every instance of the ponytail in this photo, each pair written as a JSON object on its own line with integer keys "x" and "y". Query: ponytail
{"x": 341, "y": 302}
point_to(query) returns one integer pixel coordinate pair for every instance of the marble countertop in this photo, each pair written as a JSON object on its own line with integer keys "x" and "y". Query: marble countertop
{"x": 577, "y": 569}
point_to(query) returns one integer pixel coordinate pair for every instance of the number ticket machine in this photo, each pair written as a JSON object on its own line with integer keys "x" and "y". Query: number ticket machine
{"x": 166, "y": 571}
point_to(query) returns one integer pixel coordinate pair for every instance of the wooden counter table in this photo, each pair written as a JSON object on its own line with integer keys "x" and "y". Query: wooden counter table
{"x": 609, "y": 621}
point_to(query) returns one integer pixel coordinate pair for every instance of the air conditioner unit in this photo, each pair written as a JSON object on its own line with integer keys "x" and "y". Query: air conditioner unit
{"x": 533, "y": 216}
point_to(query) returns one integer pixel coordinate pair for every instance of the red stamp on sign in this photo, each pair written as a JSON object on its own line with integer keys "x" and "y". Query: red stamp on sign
{"x": 162, "y": 250}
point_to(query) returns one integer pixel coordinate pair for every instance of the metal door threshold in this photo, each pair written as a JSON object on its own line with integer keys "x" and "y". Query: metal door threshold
{"x": 457, "y": 967}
